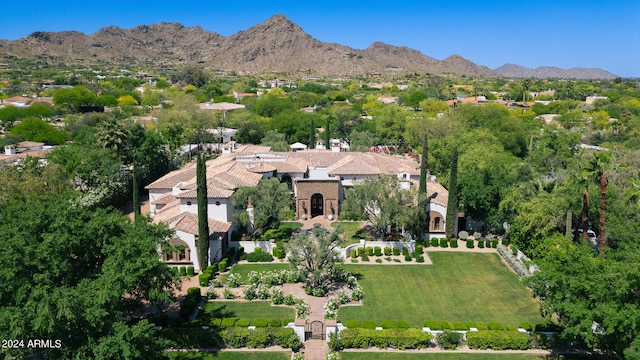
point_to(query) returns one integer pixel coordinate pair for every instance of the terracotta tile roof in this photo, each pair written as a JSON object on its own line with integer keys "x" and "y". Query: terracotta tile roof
{"x": 352, "y": 165}
{"x": 187, "y": 173}
{"x": 261, "y": 168}
{"x": 164, "y": 199}
{"x": 188, "y": 222}
{"x": 443, "y": 194}
{"x": 256, "y": 149}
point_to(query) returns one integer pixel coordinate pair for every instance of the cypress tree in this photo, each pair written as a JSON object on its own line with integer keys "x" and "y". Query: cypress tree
{"x": 423, "y": 166}
{"x": 452, "y": 202}
{"x": 327, "y": 135}
{"x": 312, "y": 135}
{"x": 136, "y": 196}
{"x": 203, "y": 216}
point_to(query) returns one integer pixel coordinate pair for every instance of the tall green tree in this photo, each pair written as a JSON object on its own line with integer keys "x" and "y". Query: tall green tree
{"x": 269, "y": 198}
{"x": 423, "y": 165}
{"x": 452, "y": 201}
{"x": 315, "y": 254}
{"x": 72, "y": 274}
{"x": 203, "y": 213}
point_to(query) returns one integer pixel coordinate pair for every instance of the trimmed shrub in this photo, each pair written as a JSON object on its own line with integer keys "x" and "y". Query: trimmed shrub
{"x": 481, "y": 244}
{"x": 463, "y": 235}
{"x": 498, "y": 340}
{"x": 495, "y": 326}
{"x": 182, "y": 270}
{"x": 189, "y": 303}
{"x": 408, "y": 258}
{"x": 275, "y": 323}
{"x": 222, "y": 265}
{"x": 446, "y": 325}
{"x": 397, "y": 338}
{"x": 289, "y": 300}
{"x": 369, "y": 251}
{"x": 387, "y": 251}
{"x": 360, "y": 251}
{"x": 377, "y": 250}
{"x": 511, "y": 328}
{"x": 260, "y": 338}
{"x": 240, "y": 252}
{"x": 444, "y": 243}
{"x": 190, "y": 271}
{"x": 505, "y": 242}
{"x": 244, "y": 322}
{"x": 419, "y": 249}
{"x": 433, "y": 324}
{"x": 449, "y": 340}
{"x": 379, "y": 261}
{"x": 228, "y": 322}
{"x": 352, "y": 324}
{"x": 487, "y": 244}
{"x": 472, "y": 324}
{"x": 260, "y": 323}
{"x": 420, "y": 258}
{"x": 259, "y": 256}
{"x": 368, "y": 324}
{"x": 386, "y": 324}
{"x": 203, "y": 279}
{"x": 494, "y": 243}
{"x": 402, "y": 324}
{"x": 481, "y": 326}
{"x": 470, "y": 243}
{"x": 453, "y": 243}
{"x": 278, "y": 253}
{"x": 460, "y": 326}
{"x": 353, "y": 253}
{"x": 435, "y": 242}
{"x": 426, "y": 243}
{"x": 365, "y": 257}
{"x": 396, "y": 251}
{"x": 405, "y": 251}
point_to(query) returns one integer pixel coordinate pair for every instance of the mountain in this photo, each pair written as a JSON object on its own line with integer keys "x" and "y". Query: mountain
{"x": 276, "y": 45}
{"x": 546, "y": 72}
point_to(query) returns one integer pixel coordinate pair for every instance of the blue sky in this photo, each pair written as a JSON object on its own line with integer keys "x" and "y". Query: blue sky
{"x": 587, "y": 33}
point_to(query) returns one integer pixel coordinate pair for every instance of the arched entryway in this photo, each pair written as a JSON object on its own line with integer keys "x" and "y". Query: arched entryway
{"x": 317, "y": 205}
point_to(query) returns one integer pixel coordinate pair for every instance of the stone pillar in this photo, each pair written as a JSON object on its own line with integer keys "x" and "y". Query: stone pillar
{"x": 331, "y": 327}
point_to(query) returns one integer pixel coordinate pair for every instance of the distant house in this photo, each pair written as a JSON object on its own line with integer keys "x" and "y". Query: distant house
{"x": 591, "y": 99}
{"x": 14, "y": 153}
{"x": 224, "y": 107}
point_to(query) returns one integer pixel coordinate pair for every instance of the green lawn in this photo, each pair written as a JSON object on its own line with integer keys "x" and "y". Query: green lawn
{"x": 349, "y": 228}
{"x": 235, "y": 355}
{"x": 457, "y": 287}
{"x": 239, "y": 310}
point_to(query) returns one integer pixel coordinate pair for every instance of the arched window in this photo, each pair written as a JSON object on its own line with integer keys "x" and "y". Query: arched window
{"x": 436, "y": 223}
{"x": 180, "y": 253}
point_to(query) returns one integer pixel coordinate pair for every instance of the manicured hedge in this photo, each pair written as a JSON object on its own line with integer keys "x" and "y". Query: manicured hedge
{"x": 453, "y": 243}
{"x": 369, "y": 251}
{"x": 260, "y": 338}
{"x": 244, "y": 322}
{"x": 387, "y": 324}
{"x": 419, "y": 249}
{"x": 190, "y": 271}
{"x": 470, "y": 243}
{"x": 396, "y": 251}
{"x": 204, "y": 279}
{"x": 498, "y": 340}
{"x": 228, "y": 322}
{"x": 495, "y": 326}
{"x": 259, "y": 256}
{"x": 368, "y": 324}
{"x": 189, "y": 303}
{"x": 377, "y": 250}
{"x": 360, "y": 251}
{"x": 433, "y": 324}
{"x": 396, "y": 338}
{"x": 352, "y": 324}
{"x": 444, "y": 242}
{"x": 182, "y": 270}
{"x": 387, "y": 251}
{"x": 353, "y": 253}
{"x": 435, "y": 242}
{"x": 278, "y": 253}
{"x": 260, "y": 323}
{"x": 402, "y": 324}
{"x": 481, "y": 244}
{"x": 222, "y": 265}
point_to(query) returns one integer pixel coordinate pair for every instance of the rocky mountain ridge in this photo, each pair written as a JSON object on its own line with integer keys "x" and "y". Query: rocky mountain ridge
{"x": 276, "y": 45}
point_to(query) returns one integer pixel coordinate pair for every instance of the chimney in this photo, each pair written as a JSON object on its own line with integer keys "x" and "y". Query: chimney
{"x": 10, "y": 150}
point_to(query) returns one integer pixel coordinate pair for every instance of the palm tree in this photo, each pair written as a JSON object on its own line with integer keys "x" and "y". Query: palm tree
{"x": 112, "y": 135}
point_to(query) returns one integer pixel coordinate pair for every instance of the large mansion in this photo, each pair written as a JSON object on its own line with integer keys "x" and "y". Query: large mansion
{"x": 316, "y": 178}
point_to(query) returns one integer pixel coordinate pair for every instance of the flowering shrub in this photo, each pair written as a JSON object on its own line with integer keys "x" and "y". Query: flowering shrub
{"x": 233, "y": 280}
{"x": 302, "y": 309}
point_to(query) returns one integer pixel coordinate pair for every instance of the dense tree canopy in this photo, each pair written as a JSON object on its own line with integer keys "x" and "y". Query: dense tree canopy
{"x": 79, "y": 276}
